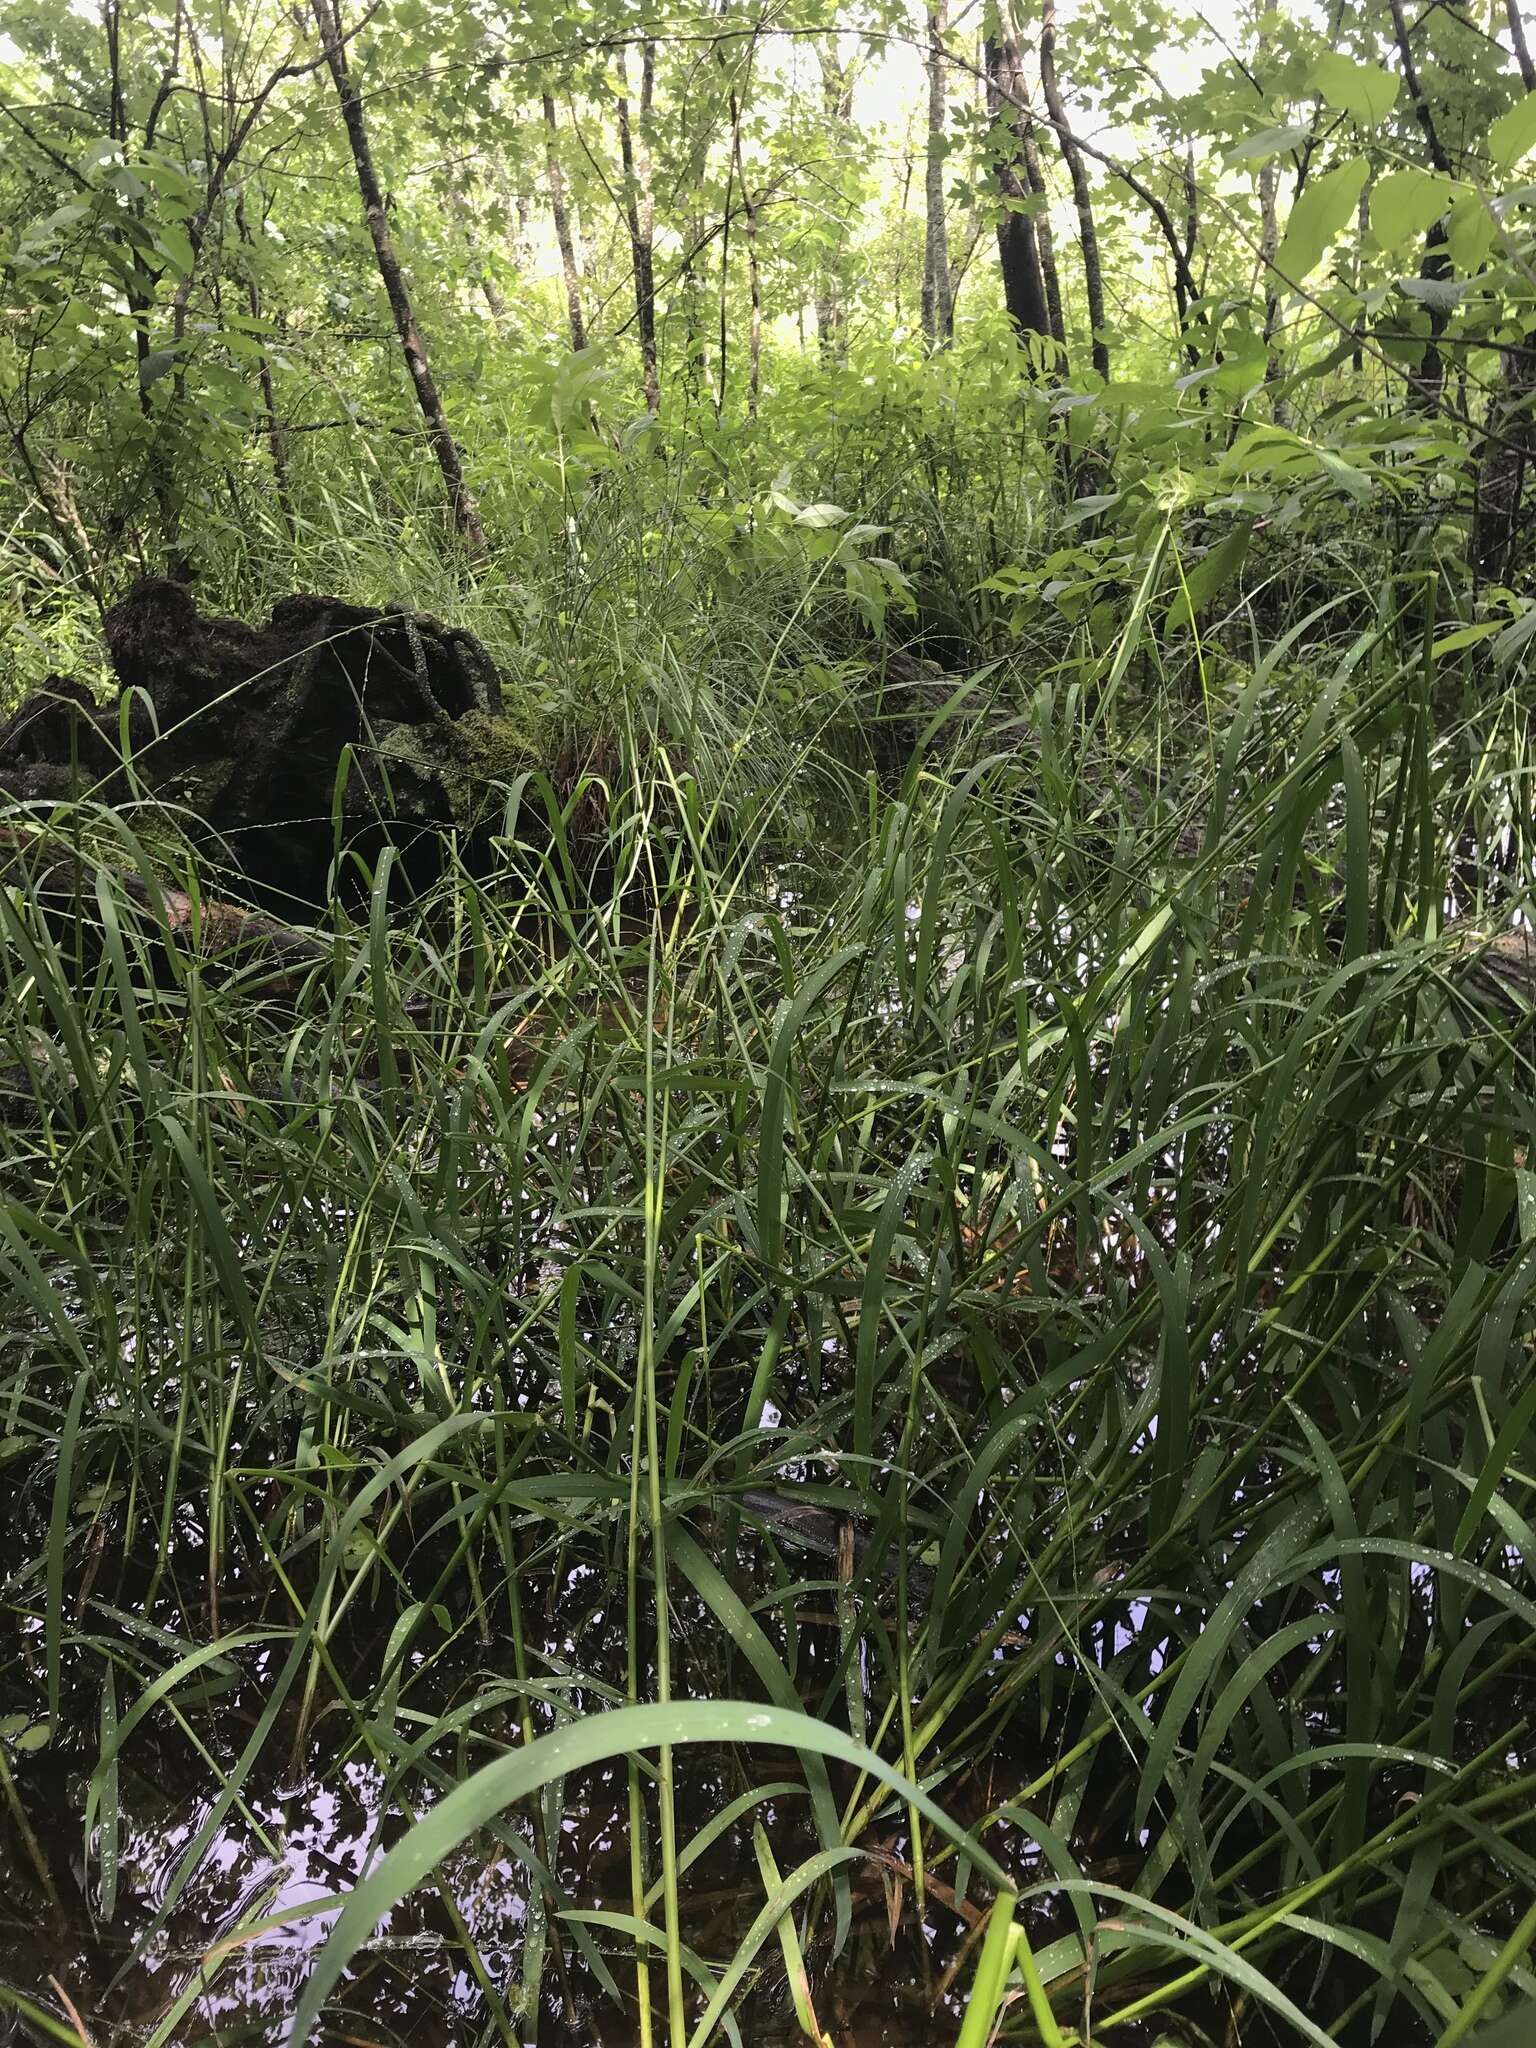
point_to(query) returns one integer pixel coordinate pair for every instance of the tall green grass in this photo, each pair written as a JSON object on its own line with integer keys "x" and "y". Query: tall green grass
{"x": 1095, "y": 1169}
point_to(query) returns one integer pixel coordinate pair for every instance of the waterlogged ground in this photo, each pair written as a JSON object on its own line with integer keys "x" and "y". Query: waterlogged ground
{"x": 306, "y": 1840}
{"x": 488, "y": 1952}
{"x": 479, "y": 1956}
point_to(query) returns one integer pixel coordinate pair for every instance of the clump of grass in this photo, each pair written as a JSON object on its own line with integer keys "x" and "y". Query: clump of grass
{"x": 1105, "y": 1188}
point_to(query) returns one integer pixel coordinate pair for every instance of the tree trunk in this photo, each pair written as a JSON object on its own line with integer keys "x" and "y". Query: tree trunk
{"x": 1505, "y": 464}
{"x": 640, "y": 212}
{"x": 1034, "y": 177}
{"x": 569, "y": 261}
{"x": 138, "y": 289}
{"x": 754, "y": 278}
{"x": 276, "y": 445}
{"x": 1017, "y": 248}
{"x": 1269, "y": 242}
{"x": 1362, "y": 230}
{"x": 1191, "y": 210}
{"x": 466, "y": 512}
{"x": 1522, "y": 48}
{"x": 1005, "y": 84}
{"x": 1082, "y": 193}
{"x": 1436, "y": 265}
{"x": 1507, "y": 452}
{"x": 837, "y": 106}
{"x": 475, "y": 265}
{"x": 690, "y": 289}
{"x": 938, "y": 306}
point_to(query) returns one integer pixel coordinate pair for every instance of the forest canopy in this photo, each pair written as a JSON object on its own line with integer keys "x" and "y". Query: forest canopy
{"x": 268, "y": 270}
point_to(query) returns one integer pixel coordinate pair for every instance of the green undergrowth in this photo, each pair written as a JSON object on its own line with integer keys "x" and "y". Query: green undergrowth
{"x": 1099, "y": 1165}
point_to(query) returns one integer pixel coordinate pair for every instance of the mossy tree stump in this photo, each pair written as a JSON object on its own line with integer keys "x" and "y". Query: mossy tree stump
{"x": 332, "y": 724}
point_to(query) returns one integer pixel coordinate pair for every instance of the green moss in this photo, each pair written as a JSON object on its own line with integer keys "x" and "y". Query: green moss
{"x": 469, "y": 761}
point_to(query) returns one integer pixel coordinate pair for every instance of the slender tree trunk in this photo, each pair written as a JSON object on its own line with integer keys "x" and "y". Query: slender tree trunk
{"x": 276, "y": 444}
{"x": 1362, "y": 229}
{"x": 461, "y": 499}
{"x": 1017, "y": 248}
{"x": 754, "y": 278}
{"x": 1522, "y": 48}
{"x": 1269, "y": 243}
{"x": 1082, "y": 191}
{"x": 1034, "y": 177}
{"x": 1506, "y": 460}
{"x": 570, "y": 262}
{"x": 1510, "y": 445}
{"x": 640, "y": 212}
{"x": 691, "y": 290}
{"x": 1191, "y": 209}
{"x": 495, "y": 304}
{"x": 475, "y": 266}
{"x": 1436, "y": 265}
{"x": 960, "y": 264}
{"x": 938, "y": 307}
{"x": 138, "y": 289}
{"x": 837, "y": 106}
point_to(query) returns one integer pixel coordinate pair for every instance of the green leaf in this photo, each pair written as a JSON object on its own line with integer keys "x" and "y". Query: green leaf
{"x": 1405, "y": 203}
{"x": 1465, "y": 636}
{"x": 1364, "y": 90}
{"x": 1513, "y": 134}
{"x": 1514, "y": 638}
{"x": 821, "y": 515}
{"x": 1347, "y": 475}
{"x": 1208, "y": 575}
{"x": 723, "y": 1602}
{"x": 1470, "y": 233}
{"x": 175, "y": 246}
{"x": 1269, "y": 142}
{"x": 620, "y": 1732}
{"x": 1323, "y": 209}
{"x": 1441, "y": 294}
{"x": 770, "y": 1181}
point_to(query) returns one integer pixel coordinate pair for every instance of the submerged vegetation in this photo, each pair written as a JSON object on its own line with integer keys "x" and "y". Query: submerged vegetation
{"x": 858, "y": 1367}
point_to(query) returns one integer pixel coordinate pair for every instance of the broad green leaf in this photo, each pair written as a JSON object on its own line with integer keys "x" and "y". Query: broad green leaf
{"x": 1470, "y": 232}
{"x": 1466, "y": 636}
{"x": 1440, "y": 294}
{"x": 1513, "y": 134}
{"x": 1405, "y": 203}
{"x": 1364, "y": 90}
{"x": 1325, "y": 207}
{"x": 1269, "y": 142}
{"x": 1347, "y": 475}
{"x": 822, "y": 514}
{"x": 176, "y": 247}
